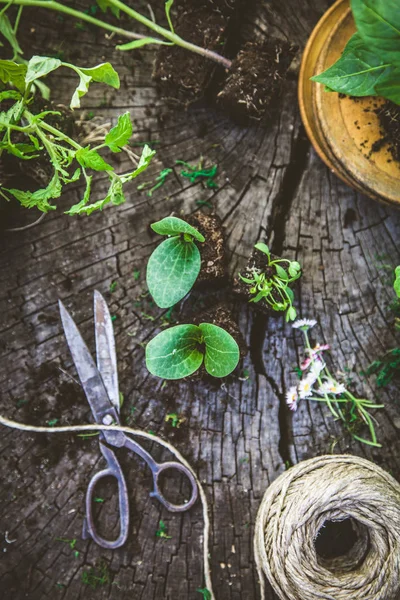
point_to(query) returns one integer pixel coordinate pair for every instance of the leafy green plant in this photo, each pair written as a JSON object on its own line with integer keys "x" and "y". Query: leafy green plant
{"x": 168, "y": 35}
{"x": 388, "y": 366}
{"x": 175, "y": 264}
{"x": 162, "y": 531}
{"x": 271, "y": 286}
{"x": 370, "y": 62}
{"x": 179, "y": 351}
{"x": 28, "y": 134}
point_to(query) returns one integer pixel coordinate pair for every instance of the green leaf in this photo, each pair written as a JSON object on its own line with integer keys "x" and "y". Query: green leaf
{"x": 142, "y": 42}
{"x": 389, "y": 85}
{"x": 396, "y": 284}
{"x": 23, "y": 151}
{"x": 282, "y": 274}
{"x": 91, "y": 159}
{"x": 378, "y": 23}
{"x": 357, "y": 72}
{"x": 222, "y": 352}
{"x": 294, "y": 269}
{"x": 263, "y": 248}
{"x": 11, "y": 72}
{"x": 104, "y": 4}
{"x": 77, "y": 209}
{"x": 40, "y": 66}
{"x": 174, "y": 353}
{"x": 81, "y": 90}
{"x": 168, "y": 6}
{"x": 119, "y": 135}
{"x": 172, "y": 270}
{"x": 145, "y": 160}
{"x": 176, "y": 226}
{"x": 40, "y": 198}
{"x": 8, "y": 32}
{"x": 103, "y": 73}
{"x": 291, "y": 314}
{"x": 10, "y": 95}
{"x": 116, "y": 194}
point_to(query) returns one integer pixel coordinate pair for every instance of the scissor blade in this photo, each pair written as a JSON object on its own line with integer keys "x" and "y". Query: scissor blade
{"x": 87, "y": 371}
{"x": 105, "y": 348}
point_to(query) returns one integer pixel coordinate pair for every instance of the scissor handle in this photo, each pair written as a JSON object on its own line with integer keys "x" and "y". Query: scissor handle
{"x": 114, "y": 470}
{"x": 157, "y": 469}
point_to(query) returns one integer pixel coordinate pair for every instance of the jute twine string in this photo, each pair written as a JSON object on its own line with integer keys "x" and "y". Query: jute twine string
{"x": 293, "y": 510}
{"x": 296, "y": 506}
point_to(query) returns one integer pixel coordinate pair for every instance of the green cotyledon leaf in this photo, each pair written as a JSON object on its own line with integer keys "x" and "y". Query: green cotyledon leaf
{"x": 176, "y": 226}
{"x": 222, "y": 352}
{"x": 172, "y": 270}
{"x": 175, "y": 353}
{"x": 357, "y": 72}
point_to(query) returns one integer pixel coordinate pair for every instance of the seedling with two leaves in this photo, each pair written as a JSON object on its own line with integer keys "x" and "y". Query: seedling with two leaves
{"x": 271, "y": 286}
{"x": 180, "y": 351}
{"x": 28, "y": 135}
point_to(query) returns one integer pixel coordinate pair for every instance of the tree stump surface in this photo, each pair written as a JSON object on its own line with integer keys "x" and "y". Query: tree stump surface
{"x": 238, "y": 435}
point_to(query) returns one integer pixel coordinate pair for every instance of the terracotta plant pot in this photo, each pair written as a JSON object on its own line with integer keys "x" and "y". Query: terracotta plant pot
{"x": 341, "y": 129}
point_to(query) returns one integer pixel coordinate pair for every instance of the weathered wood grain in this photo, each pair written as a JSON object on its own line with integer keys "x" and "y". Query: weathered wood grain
{"x": 239, "y": 436}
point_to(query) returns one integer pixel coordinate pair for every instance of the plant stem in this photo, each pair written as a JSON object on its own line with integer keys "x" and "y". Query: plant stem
{"x": 57, "y": 6}
{"x": 59, "y": 135}
{"x": 171, "y": 36}
{"x": 166, "y": 33}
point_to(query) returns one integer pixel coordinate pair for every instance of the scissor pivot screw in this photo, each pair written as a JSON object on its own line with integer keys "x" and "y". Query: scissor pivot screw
{"x": 107, "y": 420}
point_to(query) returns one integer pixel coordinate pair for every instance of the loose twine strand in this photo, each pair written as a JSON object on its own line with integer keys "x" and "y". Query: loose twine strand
{"x": 296, "y": 506}
{"x": 148, "y": 436}
{"x": 292, "y": 512}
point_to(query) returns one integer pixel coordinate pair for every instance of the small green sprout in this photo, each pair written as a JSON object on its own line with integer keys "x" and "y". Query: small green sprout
{"x": 162, "y": 531}
{"x": 98, "y": 500}
{"x": 195, "y": 172}
{"x": 157, "y": 183}
{"x": 387, "y": 366}
{"x": 95, "y": 577}
{"x": 179, "y": 351}
{"x": 205, "y": 593}
{"x": 52, "y": 422}
{"x": 113, "y": 286}
{"x": 136, "y": 274}
{"x": 271, "y": 286}
{"x": 175, "y": 419}
{"x": 175, "y": 264}
{"x": 71, "y": 543}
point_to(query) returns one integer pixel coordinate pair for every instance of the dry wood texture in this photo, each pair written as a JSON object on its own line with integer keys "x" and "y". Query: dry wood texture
{"x": 239, "y": 435}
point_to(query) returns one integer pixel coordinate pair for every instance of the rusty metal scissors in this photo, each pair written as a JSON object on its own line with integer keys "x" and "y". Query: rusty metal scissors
{"x": 100, "y": 384}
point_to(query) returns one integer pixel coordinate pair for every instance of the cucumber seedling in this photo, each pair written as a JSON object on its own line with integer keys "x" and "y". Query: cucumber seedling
{"x": 179, "y": 351}
{"x": 28, "y": 134}
{"x": 270, "y": 285}
{"x": 175, "y": 264}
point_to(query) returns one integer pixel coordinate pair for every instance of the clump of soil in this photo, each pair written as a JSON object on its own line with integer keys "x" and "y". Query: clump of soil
{"x": 389, "y": 120}
{"x": 182, "y": 75}
{"x": 255, "y": 79}
{"x": 258, "y": 262}
{"x": 213, "y": 270}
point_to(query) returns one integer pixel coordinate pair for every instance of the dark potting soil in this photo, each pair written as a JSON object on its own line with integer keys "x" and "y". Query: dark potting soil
{"x": 254, "y": 82}
{"x": 213, "y": 271}
{"x": 258, "y": 260}
{"x": 389, "y": 120}
{"x": 183, "y": 76}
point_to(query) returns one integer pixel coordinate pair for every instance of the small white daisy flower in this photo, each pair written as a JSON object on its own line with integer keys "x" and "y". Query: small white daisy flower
{"x": 316, "y": 368}
{"x": 332, "y": 387}
{"x": 292, "y": 397}
{"x": 304, "y": 324}
{"x": 306, "y": 387}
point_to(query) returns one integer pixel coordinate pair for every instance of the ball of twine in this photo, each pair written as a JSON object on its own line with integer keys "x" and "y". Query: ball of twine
{"x": 295, "y": 508}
